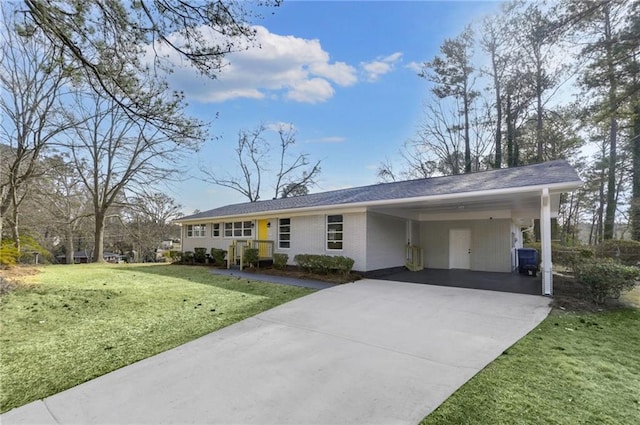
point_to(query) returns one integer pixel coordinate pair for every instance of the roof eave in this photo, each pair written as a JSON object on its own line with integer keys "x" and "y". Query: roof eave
{"x": 553, "y": 188}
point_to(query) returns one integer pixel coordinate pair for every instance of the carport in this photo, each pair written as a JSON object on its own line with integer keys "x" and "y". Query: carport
{"x": 492, "y": 281}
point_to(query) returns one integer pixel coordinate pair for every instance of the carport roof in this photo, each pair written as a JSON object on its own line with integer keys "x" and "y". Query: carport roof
{"x": 536, "y": 175}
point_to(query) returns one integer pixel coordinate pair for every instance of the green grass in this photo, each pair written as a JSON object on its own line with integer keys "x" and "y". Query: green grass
{"x": 572, "y": 369}
{"x": 80, "y": 322}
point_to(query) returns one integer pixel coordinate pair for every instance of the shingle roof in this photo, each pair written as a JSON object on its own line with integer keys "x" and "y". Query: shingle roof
{"x": 545, "y": 173}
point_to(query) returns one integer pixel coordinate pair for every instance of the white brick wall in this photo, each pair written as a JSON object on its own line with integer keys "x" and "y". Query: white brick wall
{"x": 386, "y": 241}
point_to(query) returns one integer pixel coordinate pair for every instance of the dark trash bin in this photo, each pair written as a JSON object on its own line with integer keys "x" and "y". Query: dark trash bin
{"x": 527, "y": 261}
{"x": 530, "y": 270}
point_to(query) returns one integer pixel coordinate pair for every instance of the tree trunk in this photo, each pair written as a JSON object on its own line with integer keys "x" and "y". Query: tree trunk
{"x": 498, "y": 137}
{"x": 467, "y": 142}
{"x": 539, "y": 113}
{"x": 635, "y": 190}
{"x": 610, "y": 214}
{"x": 69, "y": 246}
{"x": 510, "y": 153}
{"x": 601, "y": 201}
{"x": 15, "y": 231}
{"x": 98, "y": 247}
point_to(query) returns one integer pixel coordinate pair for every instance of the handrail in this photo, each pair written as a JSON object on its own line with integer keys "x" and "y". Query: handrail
{"x": 415, "y": 258}
{"x": 235, "y": 253}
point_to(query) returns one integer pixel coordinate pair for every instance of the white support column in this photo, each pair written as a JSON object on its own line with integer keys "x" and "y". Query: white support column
{"x": 545, "y": 235}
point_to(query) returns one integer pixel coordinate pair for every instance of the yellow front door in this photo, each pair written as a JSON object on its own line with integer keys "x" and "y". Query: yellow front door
{"x": 263, "y": 235}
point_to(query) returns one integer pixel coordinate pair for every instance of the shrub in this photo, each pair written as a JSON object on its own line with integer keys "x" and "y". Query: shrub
{"x": 323, "y": 264}
{"x": 308, "y": 262}
{"x": 280, "y": 261}
{"x": 217, "y": 255}
{"x": 187, "y": 257}
{"x": 250, "y": 256}
{"x": 343, "y": 265}
{"x": 176, "y": 256}
{"x": 200, "y": 255}
{"x": 8, "y": 254}
{"x": 564, "y": 255}
{"x": 624, "y": 251}
{"x": 604, "y": 278}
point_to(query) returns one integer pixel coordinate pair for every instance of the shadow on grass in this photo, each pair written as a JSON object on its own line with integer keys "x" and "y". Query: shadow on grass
{"x": 203, "y": 275}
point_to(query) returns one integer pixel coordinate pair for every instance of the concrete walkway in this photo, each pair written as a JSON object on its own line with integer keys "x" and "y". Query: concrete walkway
{"x": 369, "y": 352}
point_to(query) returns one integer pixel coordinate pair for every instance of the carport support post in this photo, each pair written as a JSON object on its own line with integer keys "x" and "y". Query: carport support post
{"x": 545, "y": 235}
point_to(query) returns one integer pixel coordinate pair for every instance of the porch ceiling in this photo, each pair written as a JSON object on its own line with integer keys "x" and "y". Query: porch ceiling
{"x": 520, "y": 205}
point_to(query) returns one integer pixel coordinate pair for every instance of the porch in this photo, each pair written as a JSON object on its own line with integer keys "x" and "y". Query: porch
{"x": 235, "y": 252}
{"x": 492, "y": 281}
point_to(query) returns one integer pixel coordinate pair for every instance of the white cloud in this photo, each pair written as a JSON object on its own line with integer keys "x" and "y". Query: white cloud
{"x": 328, "y": 139}
{"x": 414, "y": 66}
{"x": 382, "y": 65}
{"x": 280, "y": 125}
{"x": 290, "y": 67}
{"x": 310, "y": 91}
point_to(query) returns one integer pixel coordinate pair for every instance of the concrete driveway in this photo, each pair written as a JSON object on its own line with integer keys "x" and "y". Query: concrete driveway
{"x": 374, "y": 352}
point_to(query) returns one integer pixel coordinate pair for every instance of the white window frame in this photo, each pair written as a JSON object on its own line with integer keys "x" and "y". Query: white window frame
{"x": 238, "y": 229}
{"x": 216, "y": 227}
{"x": 335, "y": 232}
{"x": 280, "y": 233}
{"x": 196, "y": 230}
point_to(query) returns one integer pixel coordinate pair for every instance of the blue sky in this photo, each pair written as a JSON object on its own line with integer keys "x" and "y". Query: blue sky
{"x": 344, "y": 74}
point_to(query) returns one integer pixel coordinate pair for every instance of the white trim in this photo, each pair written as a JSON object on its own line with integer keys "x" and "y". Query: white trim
{"x": 242, "y": 229}
{"x": 466, "y": 215}
{"x": 203, "y": 229}
{"x": 220, "y": 229}
{"x": 546, "y": 267}
{"x": 326, "y": 233}
{"x": 279, "y": 232}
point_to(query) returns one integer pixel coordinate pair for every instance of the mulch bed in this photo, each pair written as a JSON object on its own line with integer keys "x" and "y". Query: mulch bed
{"x": 296, "y": 273}
{"x": 569, "y": 295}
{"x": 13, "y": 277}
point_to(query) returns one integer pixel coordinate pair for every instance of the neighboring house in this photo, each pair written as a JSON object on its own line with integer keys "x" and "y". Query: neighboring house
{"x": 468, "y": 221}
{"x": 82, "y": 257}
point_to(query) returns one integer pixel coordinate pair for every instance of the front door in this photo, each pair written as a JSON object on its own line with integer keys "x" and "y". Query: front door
{"x": 263, "y": 235}
{"x": 460, "y": 249}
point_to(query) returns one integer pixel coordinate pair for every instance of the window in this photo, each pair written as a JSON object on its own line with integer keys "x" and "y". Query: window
{"x": 215, "y": 230}
{"x": 334, "y": 232}
{"x": 284, "y": 233}
{"x": 238, "y": 229}
{"x": 196, "y": 230}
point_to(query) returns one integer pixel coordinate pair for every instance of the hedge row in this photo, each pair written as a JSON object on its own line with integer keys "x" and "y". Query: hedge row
{"x": 323, "y": 264}
{"x": 199, "y": 255}
{"x": 623, "y": 251}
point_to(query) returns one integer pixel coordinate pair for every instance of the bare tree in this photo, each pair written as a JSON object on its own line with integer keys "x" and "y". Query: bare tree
{"x": 68, "y": 202}
{"x": 294, "y": 176}
{"x": 148, "y": 222}
{"x": 439, "y": 146}
{"x": 118, "y": 153}
{"x": 295, "y": 172}
{"x": 32, "y": 82}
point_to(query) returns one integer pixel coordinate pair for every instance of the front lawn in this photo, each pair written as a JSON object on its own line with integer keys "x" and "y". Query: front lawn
{"x": 574, "y": 368}
{"x": 79, "y": 322}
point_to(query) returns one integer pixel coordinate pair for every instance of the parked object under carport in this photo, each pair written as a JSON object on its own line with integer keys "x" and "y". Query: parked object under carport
{"x": 528, "y": 261}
